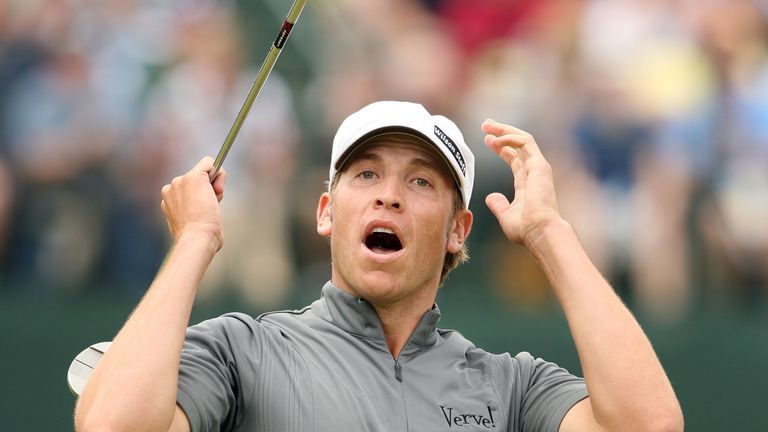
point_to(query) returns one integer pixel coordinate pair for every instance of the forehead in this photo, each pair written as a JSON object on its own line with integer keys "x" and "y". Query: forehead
{"x": 419, "y": 151}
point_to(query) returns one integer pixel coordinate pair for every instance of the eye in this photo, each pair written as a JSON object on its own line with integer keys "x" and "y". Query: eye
{"x": 421, "y": 182}
{"x": 367, "y": 175}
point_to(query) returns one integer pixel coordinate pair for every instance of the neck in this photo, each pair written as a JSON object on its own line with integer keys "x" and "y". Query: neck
{"x": 398, "y": 323}
{"x": 398, "y": 317}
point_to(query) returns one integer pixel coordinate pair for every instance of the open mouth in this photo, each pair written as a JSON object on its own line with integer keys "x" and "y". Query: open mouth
{"x": 383, "y": 241}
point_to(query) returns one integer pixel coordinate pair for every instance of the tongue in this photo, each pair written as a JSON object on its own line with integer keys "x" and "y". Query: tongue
{"x": 381, "y": 250}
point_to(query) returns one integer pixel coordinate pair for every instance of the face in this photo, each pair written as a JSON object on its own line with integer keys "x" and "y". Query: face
{"x": 391, "y": 221}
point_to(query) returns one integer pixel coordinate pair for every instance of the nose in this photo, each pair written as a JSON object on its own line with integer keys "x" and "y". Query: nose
{"x": 389, "y": 195}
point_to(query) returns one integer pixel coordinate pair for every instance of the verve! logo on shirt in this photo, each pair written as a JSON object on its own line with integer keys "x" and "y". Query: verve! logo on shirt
{"x": 459, "y": 419}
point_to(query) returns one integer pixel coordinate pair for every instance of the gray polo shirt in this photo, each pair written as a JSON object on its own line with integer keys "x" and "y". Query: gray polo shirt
{"x": 327, "y": 368}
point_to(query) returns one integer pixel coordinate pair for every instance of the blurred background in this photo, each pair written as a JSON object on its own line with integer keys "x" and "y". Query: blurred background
{"x": 653, "y": 113}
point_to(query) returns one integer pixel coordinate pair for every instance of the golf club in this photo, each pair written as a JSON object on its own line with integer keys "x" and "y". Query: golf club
{"x": 84, "y": 363}
{"x": 82, "y": 366}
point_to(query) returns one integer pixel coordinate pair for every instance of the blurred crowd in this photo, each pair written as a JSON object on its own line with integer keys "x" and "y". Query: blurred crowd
{"x": 653, "y": 113}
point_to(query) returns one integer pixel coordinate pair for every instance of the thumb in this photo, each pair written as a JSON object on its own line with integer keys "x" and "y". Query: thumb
{"x": 497, "y": 203}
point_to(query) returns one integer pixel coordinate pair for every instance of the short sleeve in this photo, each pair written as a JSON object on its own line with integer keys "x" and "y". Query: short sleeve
{"x": 209, "y": 383}
{"x": 545, "y": 392}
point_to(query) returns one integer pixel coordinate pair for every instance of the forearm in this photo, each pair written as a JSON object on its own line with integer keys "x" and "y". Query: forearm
{"x": 134, "y": 386}
{"x": 627, "y": 384}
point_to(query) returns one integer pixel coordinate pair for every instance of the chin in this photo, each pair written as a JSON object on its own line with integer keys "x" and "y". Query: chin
{"x": 379, "y": 286}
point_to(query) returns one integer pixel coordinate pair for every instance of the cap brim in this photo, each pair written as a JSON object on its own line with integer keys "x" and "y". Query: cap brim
{"x": 350, "y": 151}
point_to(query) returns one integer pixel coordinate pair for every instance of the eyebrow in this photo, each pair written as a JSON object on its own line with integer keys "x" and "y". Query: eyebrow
{"x": 369, "y": 155}
{"x": 426, "y": 163}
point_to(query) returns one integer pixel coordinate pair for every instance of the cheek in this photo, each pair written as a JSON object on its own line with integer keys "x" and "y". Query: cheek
{"x": 343, "y": 220}
{"x": 435, "y": 231}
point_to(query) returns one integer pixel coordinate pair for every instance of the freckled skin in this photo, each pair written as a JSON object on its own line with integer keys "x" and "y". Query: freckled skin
{"x": 408, "y": 186}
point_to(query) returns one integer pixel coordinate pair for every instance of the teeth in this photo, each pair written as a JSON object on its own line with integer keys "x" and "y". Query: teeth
{"x": 383, "y": 230}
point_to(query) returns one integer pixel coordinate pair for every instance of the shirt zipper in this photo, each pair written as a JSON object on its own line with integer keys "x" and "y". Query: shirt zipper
{"x": 399, "y": 378}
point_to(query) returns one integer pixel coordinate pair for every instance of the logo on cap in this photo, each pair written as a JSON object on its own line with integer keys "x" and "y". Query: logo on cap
{"x": 451, "y": 146}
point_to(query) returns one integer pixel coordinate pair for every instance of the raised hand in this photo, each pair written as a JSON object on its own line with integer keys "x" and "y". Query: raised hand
{"x": 535, "y": 203}
{"x": 191, "y": 203}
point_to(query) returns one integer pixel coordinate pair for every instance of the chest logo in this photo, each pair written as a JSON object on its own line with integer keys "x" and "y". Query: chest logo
{"x": 458, "y": 418}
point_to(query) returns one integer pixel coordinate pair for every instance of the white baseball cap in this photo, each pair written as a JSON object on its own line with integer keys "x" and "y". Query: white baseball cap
{"x": 411, "y": 118}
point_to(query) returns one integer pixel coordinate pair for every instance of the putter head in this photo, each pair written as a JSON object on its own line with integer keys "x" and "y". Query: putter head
{"x": 83, "y": 365}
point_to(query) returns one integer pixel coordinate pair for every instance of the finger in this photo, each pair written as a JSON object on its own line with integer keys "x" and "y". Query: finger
{"x": 206, "y": 163}
{"x": 520, "y": 175}
{"x": 493, "y": 127}
{"x": 167, "y": 214}
{"x": 511, "y": 157}
{"x": 508, "y": 155}
{"x": 165, "y": 191}
{"x": 524, "y": 143}
{"x": 176, "y": 182}
{"x": 515, "y": 140}
{"x": 218, "y": 184}
{"x": 520, "y": 189}
{"x": 504, "y": 134}
{"x": 211, "y": 177}
{"x": 496, "y": 144}
{"x": 497, "y": 203}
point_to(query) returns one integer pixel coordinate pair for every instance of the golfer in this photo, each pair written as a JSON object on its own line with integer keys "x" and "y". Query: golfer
{"x": 367, "y": 355}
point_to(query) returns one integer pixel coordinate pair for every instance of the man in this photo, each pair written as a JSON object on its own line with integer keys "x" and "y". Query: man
{"x": 367, "y": 355}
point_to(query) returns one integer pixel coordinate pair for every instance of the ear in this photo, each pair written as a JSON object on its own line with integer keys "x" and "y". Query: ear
{"x": 324, "y": 222}
{"x": 461, "y": 226}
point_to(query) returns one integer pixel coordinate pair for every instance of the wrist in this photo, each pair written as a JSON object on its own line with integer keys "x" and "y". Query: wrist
{"x": 199, "y": 238}
{"x": 548, "y": 237}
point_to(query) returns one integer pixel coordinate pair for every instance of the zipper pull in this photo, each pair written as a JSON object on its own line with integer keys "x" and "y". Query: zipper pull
{"x": 398, "y": 371}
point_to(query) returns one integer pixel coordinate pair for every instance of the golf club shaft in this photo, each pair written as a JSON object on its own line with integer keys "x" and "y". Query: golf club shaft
{"x": 258, "y": 83}
{"x": 82, "y": 366}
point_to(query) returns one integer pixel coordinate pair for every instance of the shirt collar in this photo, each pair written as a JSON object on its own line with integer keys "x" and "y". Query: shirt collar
{"x": 356, "y": 316}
